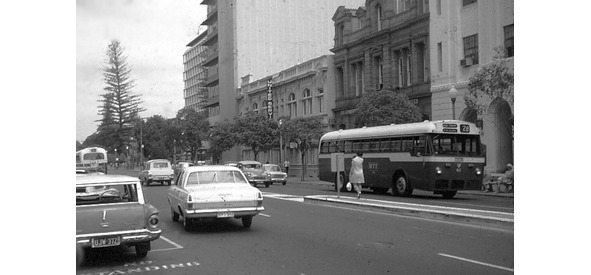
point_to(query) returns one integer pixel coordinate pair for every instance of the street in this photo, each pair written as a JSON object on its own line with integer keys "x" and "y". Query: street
{"x": 294, "y": 236}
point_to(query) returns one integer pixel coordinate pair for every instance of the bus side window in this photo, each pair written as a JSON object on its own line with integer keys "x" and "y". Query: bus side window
{"x": 396, "y": 145}
{"x": 419, "y": 145}
{"x": 348, "y": 146}
{"x": 385, "y": 145}
{"x": 324, "y": 147}
{"x": 407, "y": 144}
{"x": 374, "y": 145}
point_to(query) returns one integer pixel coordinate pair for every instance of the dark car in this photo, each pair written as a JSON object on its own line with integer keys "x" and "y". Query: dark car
{"x": 255, "y": 173}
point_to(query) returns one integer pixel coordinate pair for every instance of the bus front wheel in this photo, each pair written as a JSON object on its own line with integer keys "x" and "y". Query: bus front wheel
{"x": 401, "y": 187}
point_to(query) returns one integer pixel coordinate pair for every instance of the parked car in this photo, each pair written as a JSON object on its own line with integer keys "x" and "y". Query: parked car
{"x": 213, "y": 192}
{"x": 111, "y": 211}
{"x": 181, "y": 165}
{"x": 158, "y": 170}
{"x": 231, "y": 163}
{"x": 277, "y": 176}
{"x": 255, "y": 173}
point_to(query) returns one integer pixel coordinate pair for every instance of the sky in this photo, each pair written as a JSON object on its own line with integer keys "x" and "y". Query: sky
{"x": 154, "y": 34}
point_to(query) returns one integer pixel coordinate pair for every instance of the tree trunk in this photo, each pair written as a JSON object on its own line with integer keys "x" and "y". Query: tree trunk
{"x": 303, "y": 154}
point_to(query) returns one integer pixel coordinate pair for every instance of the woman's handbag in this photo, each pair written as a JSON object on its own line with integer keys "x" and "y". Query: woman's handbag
{"x": 349, "y": 186}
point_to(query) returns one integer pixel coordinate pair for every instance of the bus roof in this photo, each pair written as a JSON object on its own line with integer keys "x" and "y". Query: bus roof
{"x": 440, "y": 126}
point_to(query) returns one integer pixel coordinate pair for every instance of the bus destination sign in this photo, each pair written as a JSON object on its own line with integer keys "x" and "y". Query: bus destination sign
{"x": 449, "y": 130}
{"x": 448, "y": 125}
{"x": 464, "y": 128}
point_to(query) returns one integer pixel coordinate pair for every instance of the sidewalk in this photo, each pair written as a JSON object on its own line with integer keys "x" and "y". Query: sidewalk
{"x": 314, "y": 180}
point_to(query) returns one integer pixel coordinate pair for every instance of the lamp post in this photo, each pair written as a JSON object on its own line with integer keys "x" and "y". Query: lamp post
{"x": 116, "y": 159}
{"x": 453, "y": 93}
{"x": 280, "y": 142}
{"x": 127, "y": 156}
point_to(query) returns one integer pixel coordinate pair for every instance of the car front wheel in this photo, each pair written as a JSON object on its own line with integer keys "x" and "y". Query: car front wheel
{"x": 141, "y": 249}
{"x": 175, "y": 215}
{"x": 247, "y": 221}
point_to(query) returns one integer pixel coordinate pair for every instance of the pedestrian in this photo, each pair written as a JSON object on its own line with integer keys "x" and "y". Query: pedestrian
{"x": 286, "y": 166}
{"x": 356, "y": 174}
{"x": 507, "y": 178}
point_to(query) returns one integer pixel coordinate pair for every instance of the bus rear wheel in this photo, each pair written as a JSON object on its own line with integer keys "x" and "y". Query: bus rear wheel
{"x": 401, "y": 187}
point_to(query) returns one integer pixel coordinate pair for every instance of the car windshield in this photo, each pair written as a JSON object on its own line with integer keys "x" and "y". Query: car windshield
{"x": 252, "y": 166}
{"x": 160, "y": 165}
{"x": 272, "y": 168}
{"x": 105, "y": 194}
{"x": 211, "y": 177}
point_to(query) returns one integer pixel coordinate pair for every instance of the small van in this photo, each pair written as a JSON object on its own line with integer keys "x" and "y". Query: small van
{"x": 157, "y": 170}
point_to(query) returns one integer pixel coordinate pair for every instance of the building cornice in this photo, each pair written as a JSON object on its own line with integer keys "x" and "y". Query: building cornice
{"x": 447, "y": 86}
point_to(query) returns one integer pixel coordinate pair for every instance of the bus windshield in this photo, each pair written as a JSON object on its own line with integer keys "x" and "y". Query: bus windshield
{"x": 445, "y": 144}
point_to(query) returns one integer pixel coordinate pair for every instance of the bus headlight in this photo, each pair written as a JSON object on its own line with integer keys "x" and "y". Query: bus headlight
{"x": 438, "y": 170}
{"x": 478, "y": 171}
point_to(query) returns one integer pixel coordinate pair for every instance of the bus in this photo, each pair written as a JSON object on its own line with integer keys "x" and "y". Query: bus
{"x": 440, "y": 156}
{"x": 92, "y": 159}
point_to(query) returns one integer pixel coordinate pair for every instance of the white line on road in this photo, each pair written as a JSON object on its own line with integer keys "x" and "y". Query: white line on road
{"x": 171, "y": 242}
{"x": 264, "y": 215}
{"x": 476, "y": 262}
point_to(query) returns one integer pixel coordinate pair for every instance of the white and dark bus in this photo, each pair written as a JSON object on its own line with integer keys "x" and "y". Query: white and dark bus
{"x": 439, "y": 156}
{"x": 92, "y": 159}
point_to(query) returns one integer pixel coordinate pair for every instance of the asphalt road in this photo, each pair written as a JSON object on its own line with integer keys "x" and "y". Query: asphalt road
{"x": 295, "y": 237}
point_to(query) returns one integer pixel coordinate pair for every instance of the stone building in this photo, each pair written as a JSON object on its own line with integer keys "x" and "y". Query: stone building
{"x": 464, "y": 36}
{"x": 259, "y": 38}
{"x": 382, "y": 46}
{"x": 304, "y": 90}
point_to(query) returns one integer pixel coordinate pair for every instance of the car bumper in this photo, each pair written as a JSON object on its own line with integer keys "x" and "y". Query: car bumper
{"x": 260, "y": 181}
{"x": 127, "y": 237}
{"x": 223, "y": 212}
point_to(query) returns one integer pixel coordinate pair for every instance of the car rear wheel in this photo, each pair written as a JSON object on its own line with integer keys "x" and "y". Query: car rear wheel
{"x": 141, "y": 249}
{"x": 267, "y": 185}
{"x": 247, "y": 221}
{"x": 284, "y": 182}
{"x": 169, "y": 182}
{"x": 255, "y": 184}
{"x": 175, "y": 216}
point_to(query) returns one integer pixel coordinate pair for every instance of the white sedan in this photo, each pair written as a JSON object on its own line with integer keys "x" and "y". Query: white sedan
{"x": 213, "y": 192}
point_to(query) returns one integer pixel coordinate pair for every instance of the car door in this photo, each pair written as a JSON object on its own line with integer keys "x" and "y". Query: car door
{"x": 175, "y": 190}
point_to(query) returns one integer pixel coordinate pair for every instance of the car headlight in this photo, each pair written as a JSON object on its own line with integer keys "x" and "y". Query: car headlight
{"x": 438, "y": 170}
{"x": 153, "y": 221}
{"x": 478, "y": 171}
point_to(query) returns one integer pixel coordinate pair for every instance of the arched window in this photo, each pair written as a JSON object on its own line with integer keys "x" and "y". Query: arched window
{"x": 379, "y": 16}
{"x": 307, "y": 102}
{"x": 255, "y": 107}
{"x": 292, "y": 105}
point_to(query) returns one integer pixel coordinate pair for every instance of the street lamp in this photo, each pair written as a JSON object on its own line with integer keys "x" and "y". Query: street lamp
{"x": 280, "y": 142}
{"x": 127, "y": 156}
{"x": 453, "y": 93}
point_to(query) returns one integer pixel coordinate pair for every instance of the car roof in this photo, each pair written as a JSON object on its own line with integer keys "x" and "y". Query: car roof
{"x": 211, "y": 168}
{"x": 249, "y": 162}
{"x": 158, "y": 160}
{"x": 270, "y": 164}
{"x": 103, "y": 179}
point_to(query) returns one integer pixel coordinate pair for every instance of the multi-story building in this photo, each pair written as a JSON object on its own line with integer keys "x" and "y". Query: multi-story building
{"x": 194, "y": 75}
{"x": 304, "y": 90}
{"x": 382, "y": 46}
{"x": 465, "y": 35}
{"x": 258, "y": 38}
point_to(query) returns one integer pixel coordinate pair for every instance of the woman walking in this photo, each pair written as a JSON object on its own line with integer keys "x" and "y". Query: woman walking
{"x": 356, "y": 174}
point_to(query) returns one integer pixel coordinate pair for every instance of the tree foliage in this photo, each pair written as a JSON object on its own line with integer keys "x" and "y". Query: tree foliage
{"x": 222, "y": 138}
{"x": 118, "y": 107}
{"x": 156, "y": 137}
{"x": 490, "y": 82}
{"x": 257, "y": 132}
{"x": 194, "y": 129}
{"x": 306, "y": 133}
{"x": 386, "y": 107}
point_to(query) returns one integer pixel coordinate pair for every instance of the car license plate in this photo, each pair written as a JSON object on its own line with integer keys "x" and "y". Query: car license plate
{"x": 106, "y": 241}
{"x": 225, "y": 214}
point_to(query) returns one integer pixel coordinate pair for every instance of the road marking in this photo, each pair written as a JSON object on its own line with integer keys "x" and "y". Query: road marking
{"x": 477, "y": 262}
{"x": 264, "y": 215}
{"x": 283, "y": 197}
{"x": 171, "y": 242}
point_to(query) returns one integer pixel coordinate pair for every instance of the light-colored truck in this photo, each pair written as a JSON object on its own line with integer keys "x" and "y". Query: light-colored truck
{"x": 159, "y": 170}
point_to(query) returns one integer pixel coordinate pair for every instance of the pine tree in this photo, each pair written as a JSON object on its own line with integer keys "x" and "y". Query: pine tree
{"x": 119, "y": 106}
